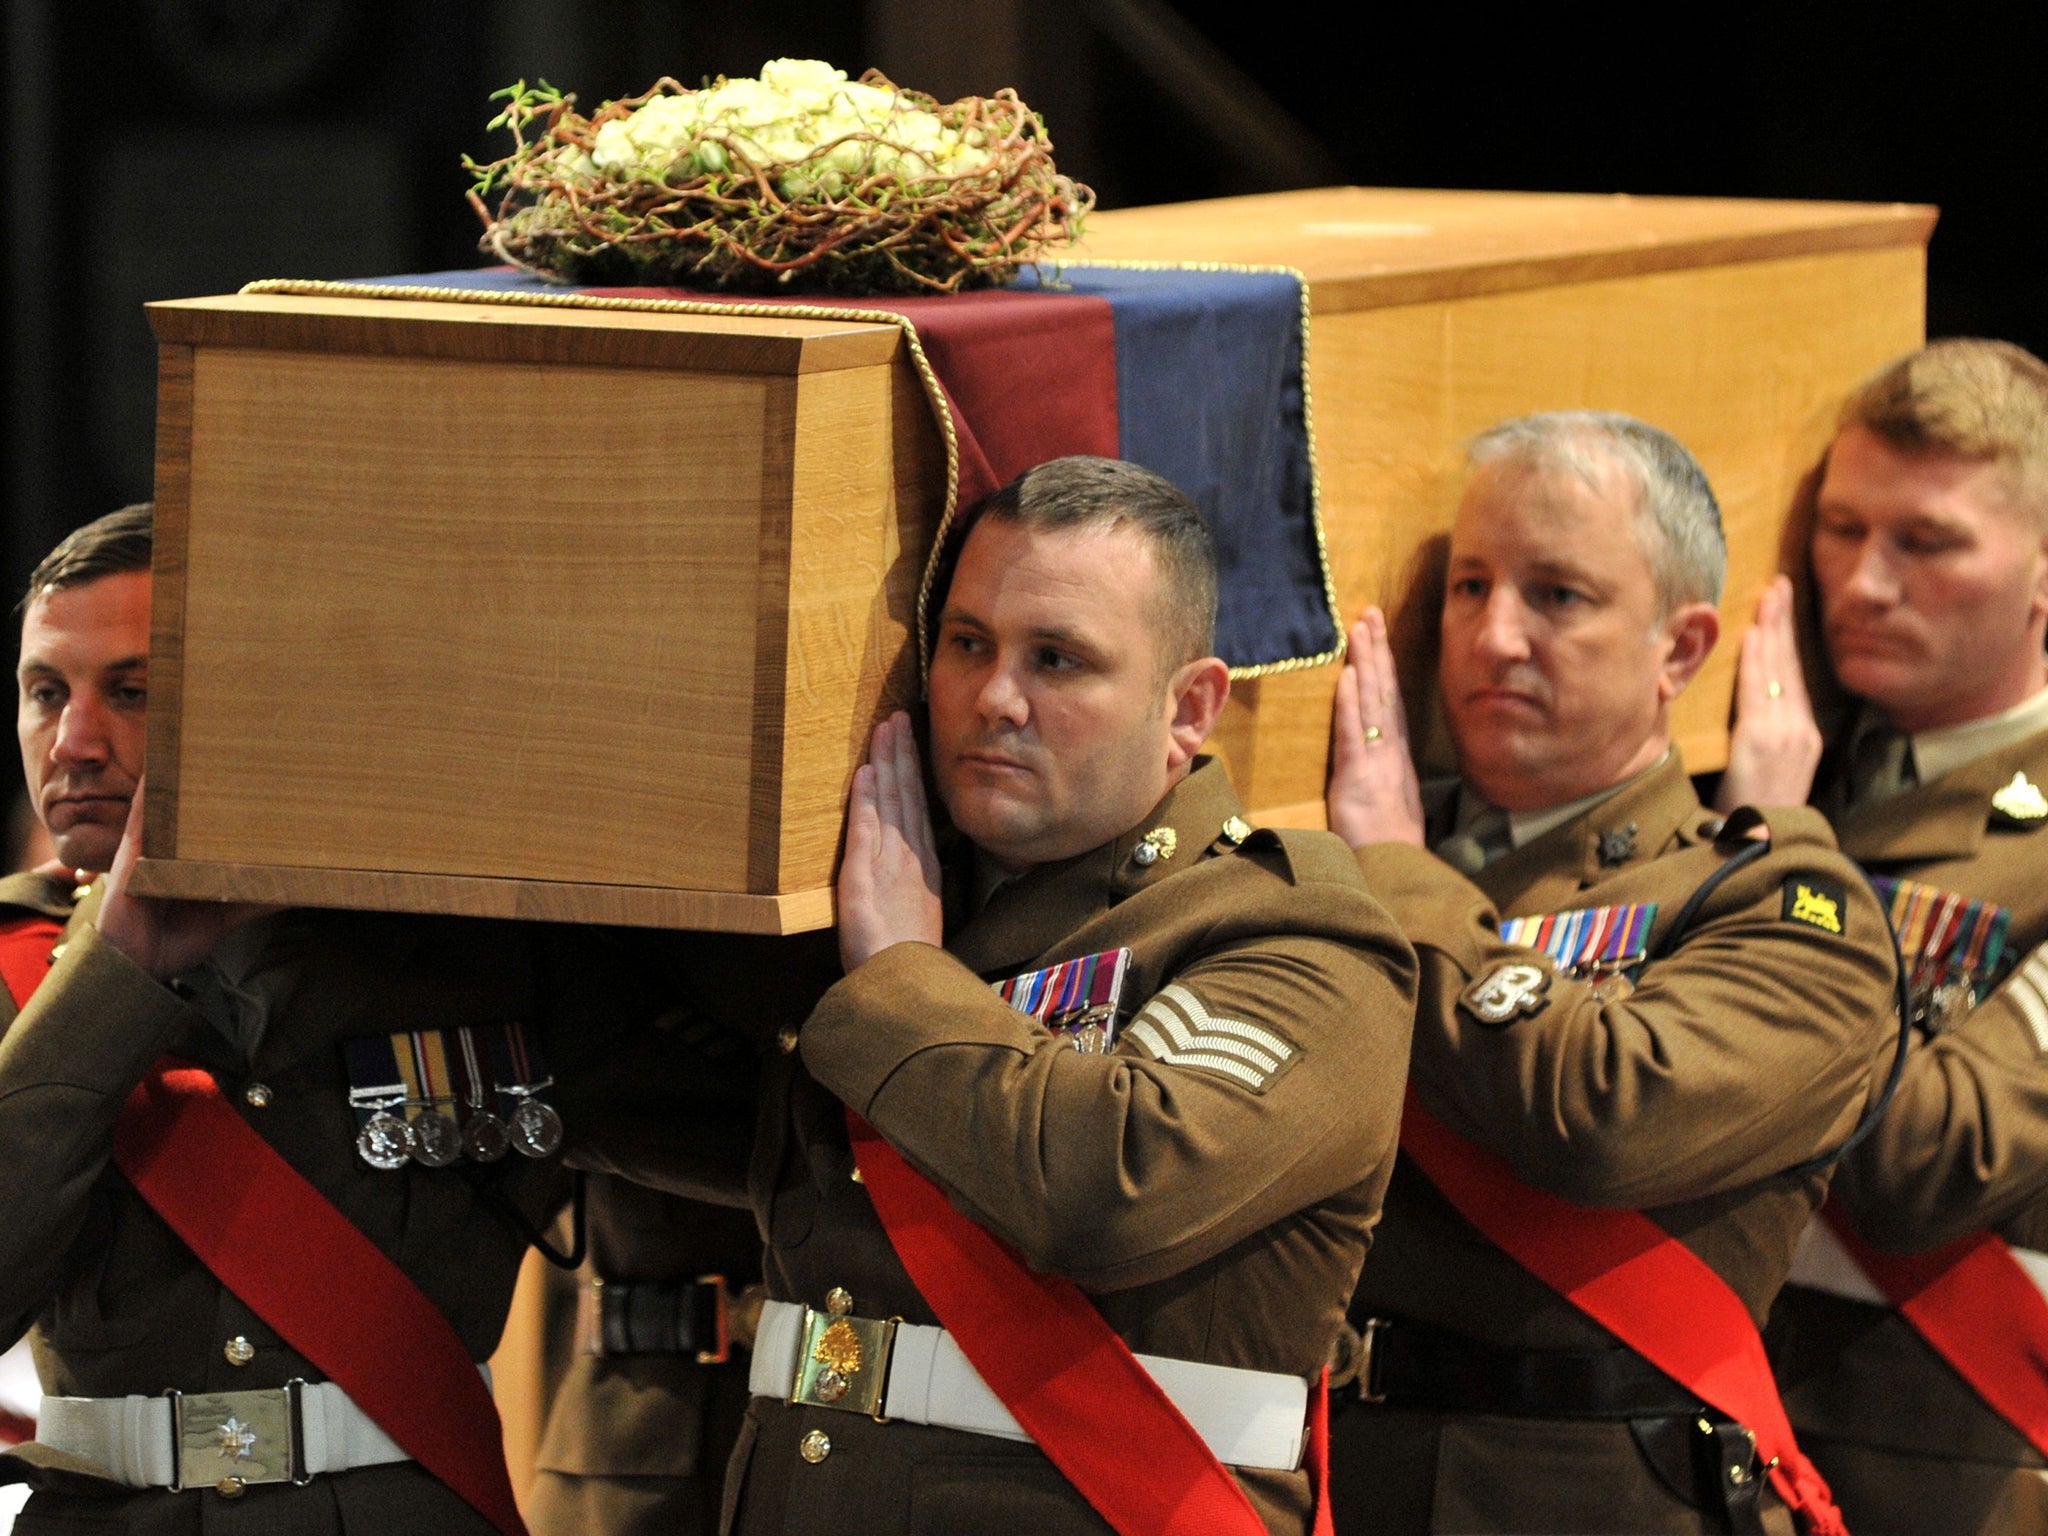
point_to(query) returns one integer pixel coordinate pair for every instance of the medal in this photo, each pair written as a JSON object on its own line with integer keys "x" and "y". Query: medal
{"x": 385, "y": 1141}
{"x": 484, "y": 1137}
{"x": 435, "y": 1140}
{"x": 536, "y": 1128}
{"x": 1588, "y": 943}
{"x": 1076, "y": 998}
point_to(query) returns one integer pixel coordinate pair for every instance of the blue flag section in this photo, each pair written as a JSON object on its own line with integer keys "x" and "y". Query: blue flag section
{"x": 1210, "y": 386}
{"x": 1209, "y": 376}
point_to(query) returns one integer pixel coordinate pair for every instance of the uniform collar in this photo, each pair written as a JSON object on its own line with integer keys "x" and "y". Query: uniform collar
{"x": 1633, "y": 823}
{"x": 1946, "y": 816}
{"x": 50, "y": 895}
{"x": 1938, "y": 753}
{"x": 1026, "y": 916}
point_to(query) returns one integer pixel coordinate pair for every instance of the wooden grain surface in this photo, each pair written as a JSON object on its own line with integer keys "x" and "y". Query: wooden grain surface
{"x": 167, "y": 603}
{"x": 1746, "y": 364}
{"x": 473, "y": 619}
{"x": 1372, "y": 246}
{"x": 637, "y": 906}
{"x": 515, "y": 333}
{"x": 865, "y": 496}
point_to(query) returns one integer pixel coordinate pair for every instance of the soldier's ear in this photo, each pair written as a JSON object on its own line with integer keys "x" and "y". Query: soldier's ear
{"x": 1690, "y": 633}
{"x": 1196, "y": 693}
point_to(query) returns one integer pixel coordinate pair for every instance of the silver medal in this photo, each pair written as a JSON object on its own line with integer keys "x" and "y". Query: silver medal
{"x": 435, "y": 1140}
{"x": 484, "y": 1137}
{"x": 385, "y": 1141}
{"x": 536, "y": 1129}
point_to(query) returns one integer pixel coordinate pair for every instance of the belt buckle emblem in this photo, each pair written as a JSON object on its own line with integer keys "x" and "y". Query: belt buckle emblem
{"x": 845, "y": 1362}
{"x": 228, "y": 1441}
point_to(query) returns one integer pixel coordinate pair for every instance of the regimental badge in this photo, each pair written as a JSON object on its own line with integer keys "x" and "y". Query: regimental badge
{"x": 2021, "y": 800}
{"x": 1235, "y": 830}
{"x": 838, "y": 1356}
{"x": 1588, "y": 943}
{"x": 1077, "y": 998}
{"x": 437, "y": 1096}
{"x": 1154, "y": 846}
{"x": 1953, "y": 948}
{"x": 1507, "y": 993}
{"x": 1617, "y": 845}
{"x": 1815, "y": 901}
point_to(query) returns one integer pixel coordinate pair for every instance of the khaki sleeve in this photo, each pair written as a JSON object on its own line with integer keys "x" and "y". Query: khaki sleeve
{"x": 1965, "y": 1143}
{"x": 1753, "y": 1046}
{"x": 67, "y": 1065}
{"x": 1265, "y": 1076}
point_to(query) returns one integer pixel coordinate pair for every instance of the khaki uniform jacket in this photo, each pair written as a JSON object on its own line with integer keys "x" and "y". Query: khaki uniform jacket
{"x": 1906, "y": 1444}
{"x": 1210, "y": 1217}
{"x": 636, "y": 1445}
{"x": 119, "y": 1305}
{"x": 1754, "y": 1045}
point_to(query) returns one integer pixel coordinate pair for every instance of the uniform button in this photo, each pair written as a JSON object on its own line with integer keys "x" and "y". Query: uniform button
{"x": 239, "y": 1350}
{"x": 80, "y": 892}
{"x": 258, "y": 1095}
{"x": 57, "y": 951}
{"x": 230, "y": 1488}
{"x": 815, "y": 1446}
{"x": 838, "y": 1301}
{"x": 785, "y": 1041}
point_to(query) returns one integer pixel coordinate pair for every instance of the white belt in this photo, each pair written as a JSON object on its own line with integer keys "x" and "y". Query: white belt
{"x": 1248, "y": 1418}
{"x": 221, "y": 1440}
{"x": 1821, "y": 1263}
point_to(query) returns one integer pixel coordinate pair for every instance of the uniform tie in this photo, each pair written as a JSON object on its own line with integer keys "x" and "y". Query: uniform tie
{"x": 1485, "y": 838}
{"x": 1880, "y": 765}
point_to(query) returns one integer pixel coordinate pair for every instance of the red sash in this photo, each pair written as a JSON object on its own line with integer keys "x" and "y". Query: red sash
{"x": 1977, "y": 1309}
{"x": 280, "y": 1245}
{"x": 1077, "y": 1389}
{"x": 1639, "y": 1283}
{"x": 25, "y": 946}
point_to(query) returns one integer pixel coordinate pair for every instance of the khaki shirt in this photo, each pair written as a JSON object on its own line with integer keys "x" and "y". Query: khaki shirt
{"x": 1211, "y": 1218}
{"x": 1754, "y": 1045}
{"x": 1964, "y": 1147}
{"x": 120, "y": 1306}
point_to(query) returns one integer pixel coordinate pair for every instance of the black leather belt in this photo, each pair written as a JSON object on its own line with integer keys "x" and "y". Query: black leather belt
{"x": 1702, "y": 1456}
{"x": 1414, "y": 1365}
{"x": 657, "y": 1317}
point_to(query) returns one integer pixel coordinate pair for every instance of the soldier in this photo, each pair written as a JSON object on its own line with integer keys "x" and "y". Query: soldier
{"x": 1643, "y": 1031}
{"x": 269, "y": 1176}
{"x": 1929, "y": 557}
{"x": 1180, "y": 1119}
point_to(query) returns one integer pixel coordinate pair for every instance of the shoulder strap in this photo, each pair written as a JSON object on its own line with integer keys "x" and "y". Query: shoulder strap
{"x": 1638, "y": 1282}
{"x": 1077, "y": 1390}
{"x": 1977, "y": 1309}
{"x": 330, "y": 1292}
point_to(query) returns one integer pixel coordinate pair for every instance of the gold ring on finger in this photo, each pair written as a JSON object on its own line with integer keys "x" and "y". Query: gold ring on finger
{"x": 1372, "y": 734}
{"x": 1774, "y": 689}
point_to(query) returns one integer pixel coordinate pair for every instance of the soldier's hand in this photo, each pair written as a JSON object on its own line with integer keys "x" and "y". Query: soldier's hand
{"x": 1775, "y": 746}
{"x": 163, "y": 935}
{"x": 1373, "y": 795}
{"x": 889, "y": 881}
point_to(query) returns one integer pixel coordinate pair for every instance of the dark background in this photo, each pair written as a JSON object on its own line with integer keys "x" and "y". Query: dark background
{"x": 160, "y": 148}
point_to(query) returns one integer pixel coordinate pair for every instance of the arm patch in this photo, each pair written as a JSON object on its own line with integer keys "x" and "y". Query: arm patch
{"x": 1816, "y": 901}
{"x": 1175, "y": 1029}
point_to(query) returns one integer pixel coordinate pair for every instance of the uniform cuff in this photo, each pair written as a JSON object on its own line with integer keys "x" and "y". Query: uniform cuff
{"x": 906, "y": 999}
{"x": 98, "y": 1022}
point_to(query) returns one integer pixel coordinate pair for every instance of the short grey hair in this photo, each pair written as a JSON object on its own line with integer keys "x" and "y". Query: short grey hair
{"x": 1678, "y": 519}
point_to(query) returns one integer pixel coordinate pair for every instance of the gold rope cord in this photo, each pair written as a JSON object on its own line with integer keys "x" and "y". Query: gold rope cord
{"x": 935, "y": 394}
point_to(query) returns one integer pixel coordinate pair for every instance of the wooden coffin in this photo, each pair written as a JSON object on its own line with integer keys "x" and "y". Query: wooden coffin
{"x": 1736, "y": 325}
{"x": 586, "y": 614}
{"x": 523, "y": 612}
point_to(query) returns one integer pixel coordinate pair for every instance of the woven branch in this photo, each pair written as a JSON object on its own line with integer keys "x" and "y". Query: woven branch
{"x": 782, "y": 226}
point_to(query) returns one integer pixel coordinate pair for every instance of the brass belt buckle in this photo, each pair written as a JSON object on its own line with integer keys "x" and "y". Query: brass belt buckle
{"x": 845, "y": 1363}
{"x": 228, "y": 1441}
